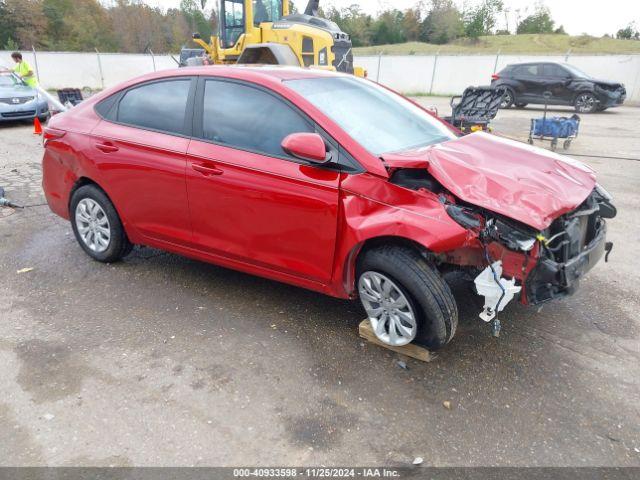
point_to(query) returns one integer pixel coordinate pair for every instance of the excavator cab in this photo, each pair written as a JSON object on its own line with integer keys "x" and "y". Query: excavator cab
{"x": 264, "y": 32}
{"x": 238, "y": 17}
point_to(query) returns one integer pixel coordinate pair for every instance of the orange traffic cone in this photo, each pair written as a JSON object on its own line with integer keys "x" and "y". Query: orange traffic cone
{"x": 37, "y": 127}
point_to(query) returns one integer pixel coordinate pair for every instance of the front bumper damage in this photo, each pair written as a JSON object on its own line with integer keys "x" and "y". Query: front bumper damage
{"x": 551, "y": 279}
{"x": 516, "y": 261}
{"x": 610, "y": 97}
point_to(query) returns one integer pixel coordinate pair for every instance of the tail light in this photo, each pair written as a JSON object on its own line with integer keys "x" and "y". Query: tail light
{"x": 495, "y": 76}
{"x": 52, "y": 134}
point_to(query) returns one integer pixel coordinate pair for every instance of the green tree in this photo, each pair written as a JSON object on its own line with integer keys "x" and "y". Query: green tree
{"x": 539, "y": 21}
{"x": 481, "y": 19}
{"x": 411, "y": 24}
{"x": 387, "y": 28}
{"x": 629, "y": 32}
{"x": 196, "y": 18}
{"x": 352, "y": 21}
{"x": 443, "y": 23}
{"x": 24, "y": 22}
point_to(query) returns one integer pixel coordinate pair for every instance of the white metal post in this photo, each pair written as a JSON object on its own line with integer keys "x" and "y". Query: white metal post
{"x": 100, "y": 68}
{"x": 35, "y": 61}
{"x": 433, "y": 72}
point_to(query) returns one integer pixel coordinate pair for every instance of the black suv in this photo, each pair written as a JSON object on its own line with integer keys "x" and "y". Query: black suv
{"x": 561, "y": 83}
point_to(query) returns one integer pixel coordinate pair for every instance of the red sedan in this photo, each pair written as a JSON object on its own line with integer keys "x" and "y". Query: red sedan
{"x": 328, "y": 182}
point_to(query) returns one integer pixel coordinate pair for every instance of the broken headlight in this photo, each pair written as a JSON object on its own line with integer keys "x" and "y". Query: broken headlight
{"x": 512, "y": 237}
{"x": 603, "y": 192}
{"x": 463, "y": 216}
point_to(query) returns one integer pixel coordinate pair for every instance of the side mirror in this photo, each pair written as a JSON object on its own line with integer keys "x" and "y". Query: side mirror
{"x": 567, "y": 81}
{"x": 307, "y": 146}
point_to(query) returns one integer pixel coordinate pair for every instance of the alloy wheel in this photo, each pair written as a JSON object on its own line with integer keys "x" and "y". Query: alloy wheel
{"x": 507, "y": 100}
{"x": 585, "y": 103}
{"x": 389, "y": 311}
{"x": 93, "y": 225}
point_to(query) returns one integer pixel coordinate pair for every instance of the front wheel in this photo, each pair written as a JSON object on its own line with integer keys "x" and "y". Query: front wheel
{"x": 405, "y": 298}
{"x": 97, "y": 226}
{"x": 586, "y": 103}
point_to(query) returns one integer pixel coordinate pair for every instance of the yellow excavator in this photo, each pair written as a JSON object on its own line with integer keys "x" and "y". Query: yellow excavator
{"x": 265, "y": 32}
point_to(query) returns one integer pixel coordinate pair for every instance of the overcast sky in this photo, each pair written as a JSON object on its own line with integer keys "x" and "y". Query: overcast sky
{"x": 595, "y": 17}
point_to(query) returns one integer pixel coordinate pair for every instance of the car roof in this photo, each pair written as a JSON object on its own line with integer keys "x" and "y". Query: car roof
{"x": 266, "y": 72}
{"x": 261, "y": 74}
{"x": 542, "y": 62}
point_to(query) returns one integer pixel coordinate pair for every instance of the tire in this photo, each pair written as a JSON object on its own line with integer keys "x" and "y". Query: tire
{"x": 429, "y": 297}
{"x": 585, "y": 102}
{"x": 521, "y": 105}
{"x": 508, "y": 99}
{"x": 91, "y": 209}
{"x": 566, "y": 144}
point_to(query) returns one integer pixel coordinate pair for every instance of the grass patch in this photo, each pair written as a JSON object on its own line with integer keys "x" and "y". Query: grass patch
{"x": 511, "y": 44}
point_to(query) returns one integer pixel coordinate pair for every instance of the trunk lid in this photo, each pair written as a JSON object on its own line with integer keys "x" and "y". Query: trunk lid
{"x": 525, "y": 183}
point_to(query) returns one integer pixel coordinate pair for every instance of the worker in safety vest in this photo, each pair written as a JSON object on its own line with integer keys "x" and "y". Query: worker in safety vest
{"x": 24, "y": 70}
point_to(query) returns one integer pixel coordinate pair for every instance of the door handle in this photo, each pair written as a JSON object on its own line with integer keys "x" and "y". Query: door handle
{"x": 107, "y": 147}
{"x": 206, "y": 170}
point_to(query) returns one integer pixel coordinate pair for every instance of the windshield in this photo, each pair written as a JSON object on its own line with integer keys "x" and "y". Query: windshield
{"x": 576, "y": 72}
{"x": 376, "y": 118}
{"x": 8, "y": 80}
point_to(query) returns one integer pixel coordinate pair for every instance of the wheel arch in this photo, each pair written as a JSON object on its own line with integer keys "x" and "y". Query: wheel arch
{"x": 84, "y": 180}
{"x": 350, "y": 267}
{"x": 81, "y": 182}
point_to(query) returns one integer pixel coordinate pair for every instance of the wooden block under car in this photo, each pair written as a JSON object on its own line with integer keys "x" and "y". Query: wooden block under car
{"x": 411, "y": 350}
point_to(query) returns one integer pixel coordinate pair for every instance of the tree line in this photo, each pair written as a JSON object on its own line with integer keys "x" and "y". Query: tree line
{"x": 133, "y": 26}
{"x": 84, "y": 25}
{"x": 439, "y": 22}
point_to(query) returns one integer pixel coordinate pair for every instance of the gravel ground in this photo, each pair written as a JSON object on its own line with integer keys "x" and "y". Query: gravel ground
{"x": 162, "y": 360}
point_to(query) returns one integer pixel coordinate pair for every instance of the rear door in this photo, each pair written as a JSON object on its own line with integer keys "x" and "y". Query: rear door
{"x": 530, "y": 86}
{"x": 249, "y": 201}
{"x": 140, "y": 150}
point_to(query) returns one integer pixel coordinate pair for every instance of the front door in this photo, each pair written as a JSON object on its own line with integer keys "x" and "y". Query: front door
{"x": 557, "y": 81}
{"x": 249, "y": 201}
{"x": 530, "y": 87}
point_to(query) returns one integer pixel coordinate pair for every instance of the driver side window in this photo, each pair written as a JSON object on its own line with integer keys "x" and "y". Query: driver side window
{"x": 240, "y": 116}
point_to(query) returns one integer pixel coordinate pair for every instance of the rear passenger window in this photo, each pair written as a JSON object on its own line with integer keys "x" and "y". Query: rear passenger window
{"x": 248, "y": 118}
{"x": 157, "y": 106}
{"x": 527, "y": 70}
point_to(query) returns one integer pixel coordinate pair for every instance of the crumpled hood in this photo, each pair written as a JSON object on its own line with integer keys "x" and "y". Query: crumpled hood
{"x": 522, "y": 182}
{"x": 608, "y": 83}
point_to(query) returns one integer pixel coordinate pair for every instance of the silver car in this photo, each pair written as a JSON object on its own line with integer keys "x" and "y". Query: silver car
{"x": 18, "y": 101}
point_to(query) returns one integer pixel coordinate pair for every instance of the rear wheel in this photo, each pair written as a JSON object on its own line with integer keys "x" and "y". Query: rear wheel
{"x": 97, "y": 226}
{"x": 586, "y": 103}
{"x": 508, "y": 98}
{"x": 405, "y": 298}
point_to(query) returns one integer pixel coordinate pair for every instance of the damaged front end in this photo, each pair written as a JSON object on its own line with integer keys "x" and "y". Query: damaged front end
{"x": 508, "y": 259}
{"x": 570, "y": 247}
